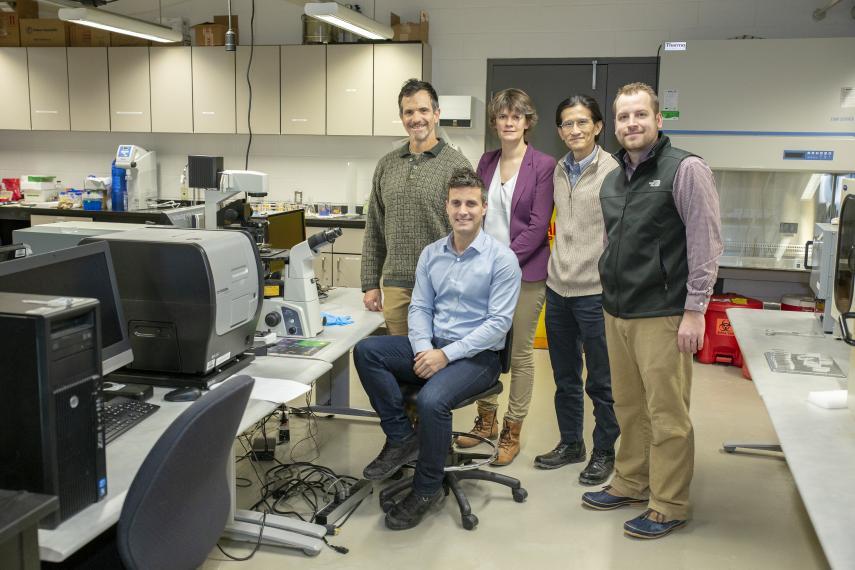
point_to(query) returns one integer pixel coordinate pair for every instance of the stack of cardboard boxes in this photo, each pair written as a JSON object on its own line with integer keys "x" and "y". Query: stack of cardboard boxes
{"x": 20, "y": 25}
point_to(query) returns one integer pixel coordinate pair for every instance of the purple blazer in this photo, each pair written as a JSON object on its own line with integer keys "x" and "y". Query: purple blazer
{"x": 531, "y": 208}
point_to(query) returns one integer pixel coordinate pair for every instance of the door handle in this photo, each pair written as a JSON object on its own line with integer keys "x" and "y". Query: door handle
{"x": 594, "y": 75}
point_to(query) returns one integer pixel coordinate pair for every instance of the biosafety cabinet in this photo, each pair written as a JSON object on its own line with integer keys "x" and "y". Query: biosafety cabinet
{"x": 775, "y": 120}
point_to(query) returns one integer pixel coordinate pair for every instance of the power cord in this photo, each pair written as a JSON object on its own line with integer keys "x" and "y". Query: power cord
{"x": 249, "y": 84}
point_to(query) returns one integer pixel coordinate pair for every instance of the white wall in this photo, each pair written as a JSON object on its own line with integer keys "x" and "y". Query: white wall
{"x": 463, "y": 34}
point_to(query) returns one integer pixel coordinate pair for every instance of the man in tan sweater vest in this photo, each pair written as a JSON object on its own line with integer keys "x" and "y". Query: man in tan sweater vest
{"x": 574, "y": 311}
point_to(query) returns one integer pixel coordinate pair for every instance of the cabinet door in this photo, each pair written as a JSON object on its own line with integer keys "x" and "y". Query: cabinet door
{"x": 171, "y": 90}
{"x": 88, "y": 89}
{"x": 48, "y": 72}
{"x": 347, "y": 270}
{"x": 265, "y": 89}
{"x": 350, "y": 75}
{"x": 350, "y": 241}
{"x": 304, "y": 90}
{"x": 213, "y": 90}
{"x": 130, "y": 89}
{"x": 15, "y": 109}
{"x": 393, "y": 65}
{"x": 322, "y": 264}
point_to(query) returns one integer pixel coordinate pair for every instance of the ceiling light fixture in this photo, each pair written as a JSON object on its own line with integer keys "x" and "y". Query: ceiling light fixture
{"x": 126, "y": 25}
{"x": 819, "y": 13}
{"x": 348, "y": 19}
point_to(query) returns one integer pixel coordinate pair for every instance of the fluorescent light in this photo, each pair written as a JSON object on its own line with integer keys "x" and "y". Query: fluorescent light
{"x": 120, "y": 24}
{"x": 348, "y": 19}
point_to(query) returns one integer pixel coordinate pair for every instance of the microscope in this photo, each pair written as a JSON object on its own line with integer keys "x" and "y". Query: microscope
{"x": 140, "y": 166}
{"x": 297, "y": 313}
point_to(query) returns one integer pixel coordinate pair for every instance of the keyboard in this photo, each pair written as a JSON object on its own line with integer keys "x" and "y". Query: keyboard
{"x": 121, "y": 414}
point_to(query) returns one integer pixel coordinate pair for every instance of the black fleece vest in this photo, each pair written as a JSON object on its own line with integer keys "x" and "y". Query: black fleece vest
{"x": 644, "y": 267}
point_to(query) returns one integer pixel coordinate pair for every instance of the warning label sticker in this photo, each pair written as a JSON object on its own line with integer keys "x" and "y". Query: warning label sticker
{"x": 722, "y": 327}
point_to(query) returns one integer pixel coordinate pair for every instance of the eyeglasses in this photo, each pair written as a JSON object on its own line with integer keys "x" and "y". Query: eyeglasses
{"x": 581, "y": 123}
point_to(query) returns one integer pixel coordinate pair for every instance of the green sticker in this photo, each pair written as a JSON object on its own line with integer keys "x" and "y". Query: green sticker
{"x": 670, "y": 115}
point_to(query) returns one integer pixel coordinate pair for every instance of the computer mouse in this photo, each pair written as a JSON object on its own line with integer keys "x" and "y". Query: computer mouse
{"x": 186, "y": 394}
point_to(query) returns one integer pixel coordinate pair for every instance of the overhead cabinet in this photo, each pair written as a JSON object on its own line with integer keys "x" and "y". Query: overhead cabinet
{"x": 171, "y": 72}
{"x": 393, "y": 65}
{"x": 130, "y": 89}
{"x": 264, "y": 73}
{"x": 350, "y": 74}
{"x": 304, "y": 90}
{"x": 345, "y": 89}
{"x": 48, "y": 74}
{"x": 15, "y": 109}
{"x": 213, "y": 90}
{"x": 88, "y": 89}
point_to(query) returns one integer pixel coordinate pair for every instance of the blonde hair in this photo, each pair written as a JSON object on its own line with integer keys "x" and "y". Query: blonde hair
{"x": 632, "y": 89}
{"x": 514, "y": 100}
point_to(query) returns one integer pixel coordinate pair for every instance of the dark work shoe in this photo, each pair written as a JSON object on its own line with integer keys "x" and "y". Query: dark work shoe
{"x": 604, "y": 501}
{"x": 646, "y": 525}
{"x": 599, "y": 468}
{"x": 563, "y": 454}
{"x": 411, "y": 510}
{"x": 393, "y": 456}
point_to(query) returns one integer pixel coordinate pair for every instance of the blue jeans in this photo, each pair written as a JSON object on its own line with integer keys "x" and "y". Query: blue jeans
{"x": 385, "y": 361}
{"x": 573, "y": 323}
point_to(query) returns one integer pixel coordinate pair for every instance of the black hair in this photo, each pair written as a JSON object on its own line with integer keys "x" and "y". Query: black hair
{"x": 466, "y": 178}
{"x": 585, "y": 101}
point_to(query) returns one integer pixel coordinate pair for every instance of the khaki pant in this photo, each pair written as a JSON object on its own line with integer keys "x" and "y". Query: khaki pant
{"x": 396, "y": 303}
{"x": 522, "y": 354}
{"x": 651, "y": 384}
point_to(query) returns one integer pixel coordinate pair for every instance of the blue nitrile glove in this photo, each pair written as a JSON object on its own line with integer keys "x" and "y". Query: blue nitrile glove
{"x": 336, "y": 320}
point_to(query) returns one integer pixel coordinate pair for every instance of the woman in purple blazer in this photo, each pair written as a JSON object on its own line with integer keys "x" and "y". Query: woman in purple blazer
{"x": 519, "y": 209}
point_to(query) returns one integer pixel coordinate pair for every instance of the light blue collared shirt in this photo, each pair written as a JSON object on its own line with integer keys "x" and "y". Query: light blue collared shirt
{"x": 468, "y": 299}
{"x": 575, "y": 169}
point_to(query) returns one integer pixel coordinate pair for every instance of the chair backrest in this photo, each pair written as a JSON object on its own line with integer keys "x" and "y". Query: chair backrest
{"x": 505, "y": 353}
{"x": 179, "y": 501}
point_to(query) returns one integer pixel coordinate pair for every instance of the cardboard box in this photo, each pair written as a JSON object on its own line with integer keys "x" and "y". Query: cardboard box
{"x": 84, "y": 36}
{"x": 224, "y": 20}
{"x": 10, "y": 31}
{"x": 210, "y": 34}
{"x": 124, "y": 40}
{"x": 411, "y": 31}
{"x": 21, "y": 8}
{"x": 43, "y": 32}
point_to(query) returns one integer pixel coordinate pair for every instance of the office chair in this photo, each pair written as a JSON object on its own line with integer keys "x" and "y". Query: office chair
{"x": 178, "y": 503}
{"x": 460, "y": 465}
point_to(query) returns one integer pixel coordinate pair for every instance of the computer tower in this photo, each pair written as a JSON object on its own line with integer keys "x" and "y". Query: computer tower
{"x": 51, "y": 436}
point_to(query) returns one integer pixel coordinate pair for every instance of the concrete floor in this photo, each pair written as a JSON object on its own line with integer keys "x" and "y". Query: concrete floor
{"x": 747, "y": 511}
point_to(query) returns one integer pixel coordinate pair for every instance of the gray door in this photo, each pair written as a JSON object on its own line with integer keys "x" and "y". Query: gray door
{"x": 549, "y": 81}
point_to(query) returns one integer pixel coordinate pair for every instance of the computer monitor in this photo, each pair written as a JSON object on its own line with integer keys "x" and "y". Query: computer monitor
{"x": 286, "y": 229}
{"x": 82, "y": 271}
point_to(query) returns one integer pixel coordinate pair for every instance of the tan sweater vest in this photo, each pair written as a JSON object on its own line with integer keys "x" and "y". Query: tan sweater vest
{"x": 579, "y": 229}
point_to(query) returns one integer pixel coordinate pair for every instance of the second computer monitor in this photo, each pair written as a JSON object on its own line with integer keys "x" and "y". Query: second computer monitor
{"x": 82, "y": 271}
{"x": 286, "y": 229}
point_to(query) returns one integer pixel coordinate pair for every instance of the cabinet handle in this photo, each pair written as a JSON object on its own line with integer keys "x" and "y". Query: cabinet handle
{"x": 129, "y": 112}
{"x": 209, "y": 112}
{"x": 350, "y": 90}
{"x": 299, "y": 120}
{"x": 46, "y": 112}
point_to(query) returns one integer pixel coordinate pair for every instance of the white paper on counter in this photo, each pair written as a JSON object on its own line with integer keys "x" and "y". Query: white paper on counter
{"x": 274, "y": 390}
{"x": 830, "y": 399}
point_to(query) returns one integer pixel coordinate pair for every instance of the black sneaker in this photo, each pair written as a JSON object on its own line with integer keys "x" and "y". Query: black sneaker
{"x": 599, "y": 468}
{"x": 563, "y": 454}
{"x": 411, "y": 510}
{"x": 393, "y": 456}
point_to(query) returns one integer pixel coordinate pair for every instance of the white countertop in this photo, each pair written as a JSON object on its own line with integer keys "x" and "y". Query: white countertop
{"x": 819, "y": 444}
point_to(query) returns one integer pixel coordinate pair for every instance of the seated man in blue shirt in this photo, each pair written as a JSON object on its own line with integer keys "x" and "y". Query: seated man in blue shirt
{"x": 463, "y": 302}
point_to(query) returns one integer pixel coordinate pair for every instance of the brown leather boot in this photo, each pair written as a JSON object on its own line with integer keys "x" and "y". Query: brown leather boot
{"x": 486, "y": 425}
{"x": 509, "y": 443}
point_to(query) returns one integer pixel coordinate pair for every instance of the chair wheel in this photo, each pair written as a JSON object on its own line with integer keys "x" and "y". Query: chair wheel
{"x": 520, "y": 495}
{"x": 469, "y": 521}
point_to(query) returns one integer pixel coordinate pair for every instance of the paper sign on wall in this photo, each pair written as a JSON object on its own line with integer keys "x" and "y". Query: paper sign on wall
{"x": 671, "y": 104}
{"x": 675, "y": 46}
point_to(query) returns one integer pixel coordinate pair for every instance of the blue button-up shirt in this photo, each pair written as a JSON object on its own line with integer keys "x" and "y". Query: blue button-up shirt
{"x": 466, "y": 298}
{"x": 575, "y": 169}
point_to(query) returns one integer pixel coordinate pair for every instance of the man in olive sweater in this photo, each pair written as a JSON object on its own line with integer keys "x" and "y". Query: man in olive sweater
{"x": 406, "y": 211}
